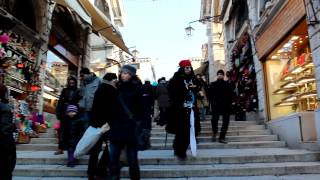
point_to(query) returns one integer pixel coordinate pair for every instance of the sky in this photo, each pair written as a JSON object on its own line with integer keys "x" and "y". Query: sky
{"x": 156, "y": 29}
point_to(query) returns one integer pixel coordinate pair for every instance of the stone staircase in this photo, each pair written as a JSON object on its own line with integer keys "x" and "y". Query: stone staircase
{"x": 252, "y": 152}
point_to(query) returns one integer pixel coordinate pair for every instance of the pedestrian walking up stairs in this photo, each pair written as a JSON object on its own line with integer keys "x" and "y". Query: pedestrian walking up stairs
{"x": 253, "y": 152}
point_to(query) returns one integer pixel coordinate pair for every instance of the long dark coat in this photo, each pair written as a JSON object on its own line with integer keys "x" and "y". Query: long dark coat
{"x": 179, "y": 117}
{"x": 122, "y": 126}
{"x": 220, "y": 96}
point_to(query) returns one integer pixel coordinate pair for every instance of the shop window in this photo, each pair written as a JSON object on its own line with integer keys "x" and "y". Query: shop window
{"x": 291, "y": 83}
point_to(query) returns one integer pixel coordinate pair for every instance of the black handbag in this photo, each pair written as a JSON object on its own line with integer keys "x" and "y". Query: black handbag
{"x": 142, "y": 135}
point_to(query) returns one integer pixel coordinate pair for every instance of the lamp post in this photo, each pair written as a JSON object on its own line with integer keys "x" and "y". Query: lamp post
{"x": 209, "y": 20}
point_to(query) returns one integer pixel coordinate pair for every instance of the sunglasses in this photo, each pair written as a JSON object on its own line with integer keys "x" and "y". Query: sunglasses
{"x": 188, "y": 67}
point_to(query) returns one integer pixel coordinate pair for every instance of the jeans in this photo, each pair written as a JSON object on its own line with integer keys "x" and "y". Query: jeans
{"x": 132, "y": 156}
{"x": 98, "y": 167}
{"x": 203, "y": 113}
{"x": 85, "y": 117}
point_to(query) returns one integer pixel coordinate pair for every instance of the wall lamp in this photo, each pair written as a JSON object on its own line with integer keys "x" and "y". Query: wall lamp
{"x": 189, "y": 29}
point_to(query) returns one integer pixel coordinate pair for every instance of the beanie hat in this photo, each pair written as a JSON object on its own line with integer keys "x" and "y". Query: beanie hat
{"x": 72, "y": 108}
{"x": 110, "y": 76}
{"x": 85, "y": 71}
{"x": 220, "y": 72}
{"x": 185, "y": 63}
{"x": 129, "y": 69}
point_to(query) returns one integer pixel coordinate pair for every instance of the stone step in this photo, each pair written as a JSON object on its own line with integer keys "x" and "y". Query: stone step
{"x": 231, "y": 128}
{"x": 158, "y": 146}
{"x": 167, "y": 171}
{"x": 270, "y": 177}
{"x": 170, "y": 139}
{"x": 230, "y": 133}
{"x": 214, "y": 156}
{"x": 231, "y": 123}
{"x": 228, "y": 138}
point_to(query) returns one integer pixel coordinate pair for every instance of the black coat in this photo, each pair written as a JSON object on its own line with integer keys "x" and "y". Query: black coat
{"x": 178, "y": 93}
{"x": 105, "y": 105}
{"x": 122, "y": 125}
{"x": 6, "y": 124}
{"x": 69, "y": 95}
{"x": 220, "y": 96}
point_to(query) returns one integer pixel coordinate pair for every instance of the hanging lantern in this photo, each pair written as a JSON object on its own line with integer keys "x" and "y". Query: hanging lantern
{"x": 20, "y": 65}
{"x": 35, "y": 88}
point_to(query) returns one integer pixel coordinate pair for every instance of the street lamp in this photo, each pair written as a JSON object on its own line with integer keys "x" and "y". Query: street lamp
{"x": 189, "y": 29}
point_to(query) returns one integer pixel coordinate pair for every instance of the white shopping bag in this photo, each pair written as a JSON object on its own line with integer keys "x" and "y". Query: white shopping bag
{"x": 193, "y": 141}
{"x": 88, "y": 140}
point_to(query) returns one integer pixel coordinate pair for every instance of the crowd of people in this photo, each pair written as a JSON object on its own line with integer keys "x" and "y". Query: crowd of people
{"x": 125, "y": 103}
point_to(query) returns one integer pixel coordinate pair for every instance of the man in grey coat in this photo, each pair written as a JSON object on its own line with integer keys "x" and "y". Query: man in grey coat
{"x": 90, "y": 84}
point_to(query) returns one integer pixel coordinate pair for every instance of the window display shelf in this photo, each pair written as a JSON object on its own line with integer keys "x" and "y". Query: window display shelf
{"x": 16, "y": 89}
{"x": 311, "y": 94}
{"x": 297, "y": 70}
{"x": 17, "y": 78}
{"x": 284, "y": 90}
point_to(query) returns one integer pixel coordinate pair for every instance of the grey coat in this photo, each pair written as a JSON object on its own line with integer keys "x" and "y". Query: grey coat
{"x": 6, "y": 123}
{"x": 87, "y": 91}
{"x": 162, "y": 95}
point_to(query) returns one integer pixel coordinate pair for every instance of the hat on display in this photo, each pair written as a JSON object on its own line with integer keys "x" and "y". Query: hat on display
{"x": 129, "y": 69}
{"x": 185, "y": 63}
{"x": 72, "y": 108}
{"x": 220, "y": 72}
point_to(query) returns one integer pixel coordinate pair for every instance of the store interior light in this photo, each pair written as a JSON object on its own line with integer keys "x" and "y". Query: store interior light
{"x": 300, "y": 41}
{"x": 274, "y": 57}
{"x": 280, "y": 50}
{"x": 294, "y": 38}
{"x": 49, "y": 96}
{"x": 47, "y": 88}
{"x": 287, "y": 45}
{"x": 298, "y": 70}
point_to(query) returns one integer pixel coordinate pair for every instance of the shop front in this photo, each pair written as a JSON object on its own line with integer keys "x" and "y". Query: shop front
{"x": 289, "y": 74}
{"x": 19, "y": 65}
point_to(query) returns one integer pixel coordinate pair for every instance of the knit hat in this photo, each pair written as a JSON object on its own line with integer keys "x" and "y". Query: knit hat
{"x": 110, "y": 76}
{"x": 185, "y": 63}
{"x": 129, "y": 69}
{"x": 220, "y": 72}
{"x": 72, "y": 108}
{"x": 85, "y": 71}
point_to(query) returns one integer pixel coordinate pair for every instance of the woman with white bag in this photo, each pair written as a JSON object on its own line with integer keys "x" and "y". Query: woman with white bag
{"x": 102, "y": 111}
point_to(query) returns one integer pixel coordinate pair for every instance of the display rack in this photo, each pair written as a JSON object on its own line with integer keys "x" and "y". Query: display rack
{"x": 299, "y": 84}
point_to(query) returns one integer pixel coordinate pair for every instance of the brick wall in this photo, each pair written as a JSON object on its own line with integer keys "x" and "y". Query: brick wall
{"x": 287, "y": 18}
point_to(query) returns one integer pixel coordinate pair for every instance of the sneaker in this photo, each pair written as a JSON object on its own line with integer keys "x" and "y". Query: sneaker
{"x": 223, "y": 141}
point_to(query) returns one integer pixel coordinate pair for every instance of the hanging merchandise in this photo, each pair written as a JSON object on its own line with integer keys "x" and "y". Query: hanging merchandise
{"x": 17, "y": 58}
{"x": 243, "y": 76}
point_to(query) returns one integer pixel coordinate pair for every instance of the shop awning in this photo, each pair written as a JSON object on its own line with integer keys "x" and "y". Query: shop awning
{"x": 76, "y": 6}
{"x": 102, "y": 24}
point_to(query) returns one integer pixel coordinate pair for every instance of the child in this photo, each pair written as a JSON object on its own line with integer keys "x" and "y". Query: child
{"x": 71, "y": 133}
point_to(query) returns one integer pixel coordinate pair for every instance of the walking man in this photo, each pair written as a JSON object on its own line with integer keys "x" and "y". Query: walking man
{"x": 220, "y": 96}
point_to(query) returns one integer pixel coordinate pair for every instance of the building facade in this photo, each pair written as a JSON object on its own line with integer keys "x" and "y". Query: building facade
{"x": 274, "y": 44}
{"x": 215, "y": 48}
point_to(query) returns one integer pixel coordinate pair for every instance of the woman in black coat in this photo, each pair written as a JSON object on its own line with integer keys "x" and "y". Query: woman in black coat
{"x": 69, "y": 96}
{"x": 183, "y": 89}
{"x": 128, "y": 110}
{"x": 7, "y": 144}
{"x": 103, "y": 111}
